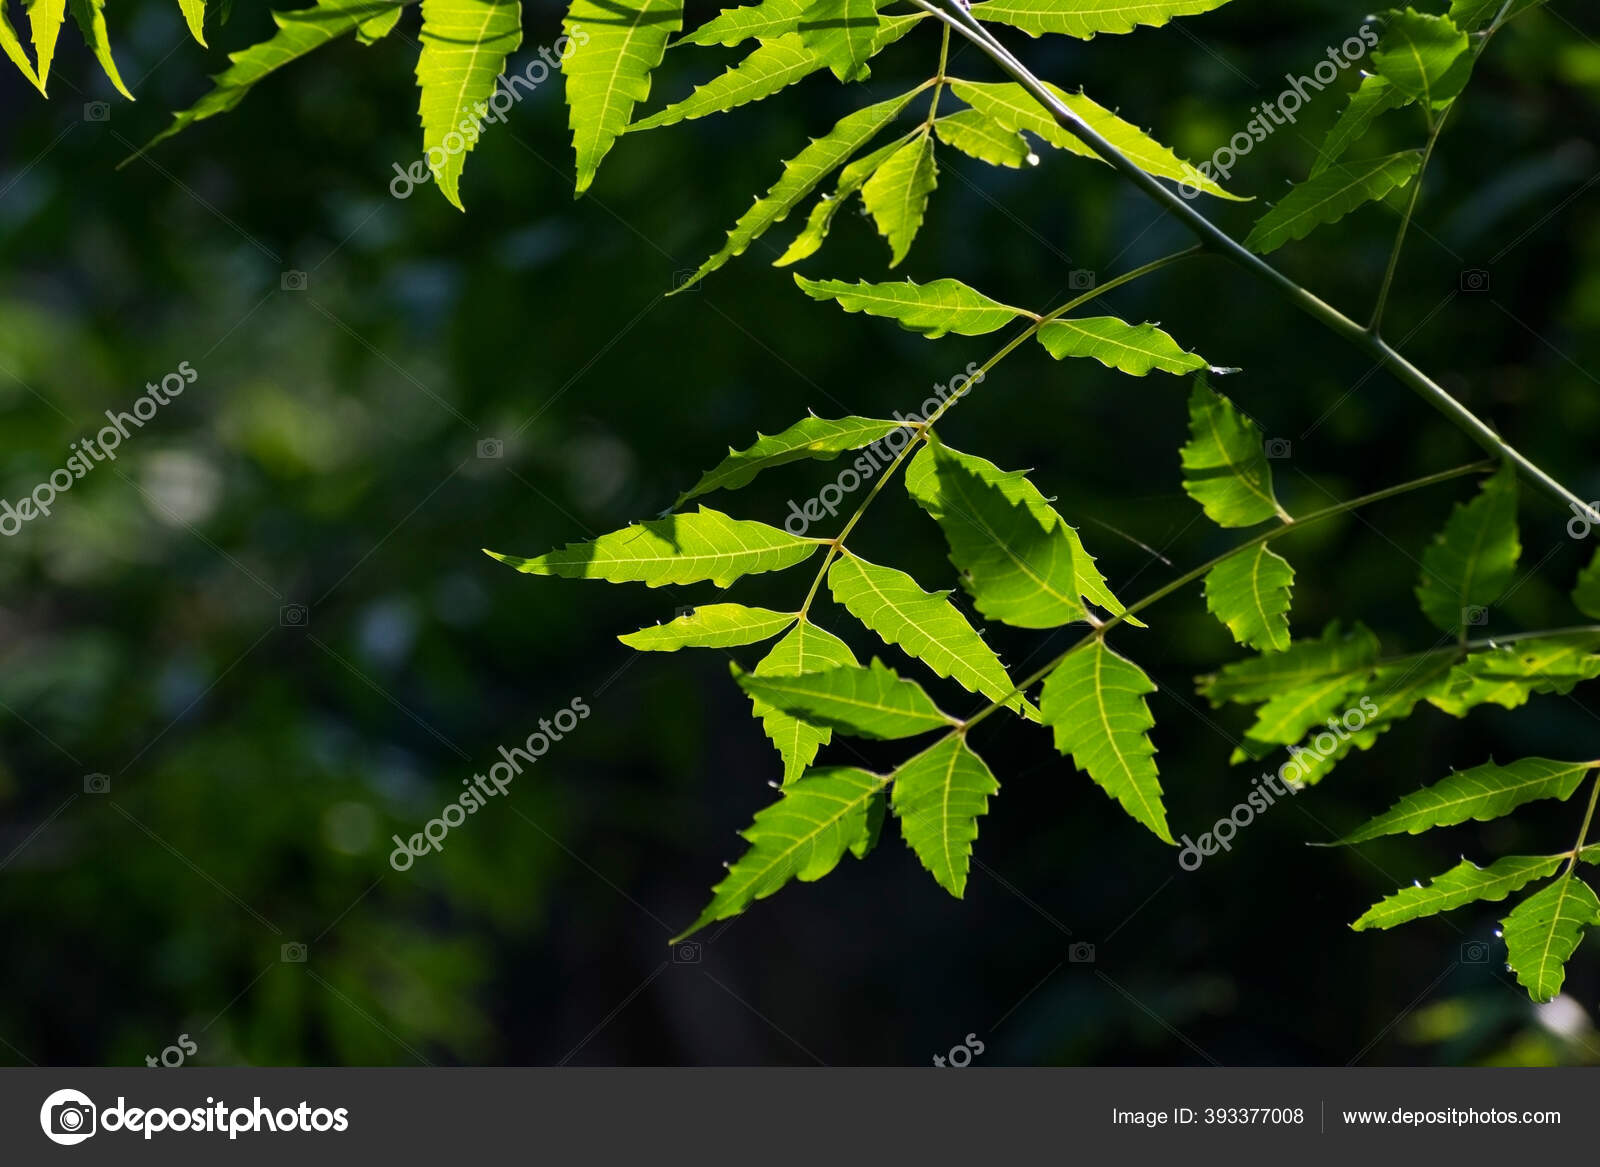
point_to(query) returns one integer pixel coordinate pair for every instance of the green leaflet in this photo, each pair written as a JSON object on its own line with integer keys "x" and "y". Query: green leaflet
{"x": 374, "y": 29}
{"x": 1085, "y": 18}
{"x": 1427, "y": 58}
{"x": 813, "y": 437}
{"x": 1012, "y": 107}
{"x": 1508, "y": 675}
{"x": 820, "y": 220}
{"x": 842, "y": 34}
{"x": 194, "y": 15}
{"x": 801, "y": 836}
{"x": 1544, "y": 930}
{"x": 1225, "y": 467}
{"x": 299, "y": 32}
{"x": 1335, "y": 654}
{"x": 711, "y": 626}
{"x": 12, "y": 47}
{"x": 1374, "y": 96}
{"x": 806, "y": 649}
{"x": 1472, "y": 15}
{"x": 775, "y": 64}
{"x": 1095, "y": 702}
{"x": 1329, "y": 197}
{"x": 933, "y": 309}
{"x": 896, "y": 196}
{"x": 619, "y": 43}
{"x": 938, "y": 797}
{"x": 765, "y": 21}
{"x": 874, "y": 702}
{"x": 90, "y": 16}
{"x": 969, "y": 546}
{"x": 45, "y": 18}
{"x": 1249, "y": 593}
{"x": 1470, "y": 563}
{"x": 465, "y": 44}
{"x": 800, "y": 177}
{"x": 687, "y": 548}
{"x": 1587, "y": 594}
{"x": 1289, "y": 717}
{"x": 1018, "y": 568}
{"x": 771, "y": 66}
{"x": 979, "y": 136}
{"x": 925, "y": 624}
{"x": 1465, "y": 883}
{"x": 1482, "y": 793}
{"x": 1135, "y": 349}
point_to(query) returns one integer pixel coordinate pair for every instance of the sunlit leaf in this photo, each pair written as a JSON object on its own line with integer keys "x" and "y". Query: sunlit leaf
{"x": 1466, "y": 883}
{"x": 1509, "y": 674}
{"x": 1085, "y": 18}
{"x": 933, "y": 309}
{"x": 814, "y": 437}
{"x": 1373, "y": 97}
{"x": 806, "y": 649}
{"x": 1544, "y": 930}
{"x": 464, "y": 48}
{"x": 711, "y": 626}
{"x": 979, "y": 136}
{"x": 938, "y": 796}
{"x": 1135, "y": 349}
{"x": 1249, "y": 592}
{"x": 896, "y": 196}
{"x": 1470, "y": 563}
{"x": 841, "y": 33}
{"x": 1225, "y": 466}
{"x": 1426, "y": 57}
{"x": 1329, "y": 197}
{"x": 874, "y": 702}
{"x": 1335, "y": 654}
{"x": 1483, "y": 793}
{"x": 618, "y": 44}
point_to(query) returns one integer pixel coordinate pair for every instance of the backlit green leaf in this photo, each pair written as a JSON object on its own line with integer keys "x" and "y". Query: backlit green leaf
{"x": 1329, "y": 197}
{"x": 1085, "y": 18}
{"x": 932, "y": 309}
{"x": 938, "y": 797}
{"x": 1481, "y": 793}
{"x": 841, "y": 33}
{"x": 1135, "y": 349}
{"x": 814, "y": 437}
{"x": 711, "y": 626}
{"x": 1373, "y": 97}
{"x": 806, "y": 649}
{"x": 1225, "y": 466}
{"x": 45, "y": 18}
{"x": 1095, "y": 702}
{"x": 1426, "y": 57}
{"x": 873, "y": 702}
{"x": 1544, "y": 930}
{"x": 464, "y": 48}
{"x": 11, "y": 45}
{"x": 1509, "y": 674}
{"x": 980, "y": 136}
{"x": 896, "y": 196}
{"x": 768, "y": 20}
{"x": 1335, "y": 654}
{"x": 1466, "y": 883}
{"x": 687, "y": 548}
{"x": 618, "y": 43}
{"x": 1249, "y": 593}
{"x": 1470, "y": 563}
{"x": 91, "y": 20}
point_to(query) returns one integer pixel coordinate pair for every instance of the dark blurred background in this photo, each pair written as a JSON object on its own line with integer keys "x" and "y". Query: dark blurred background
{"x": 270, "y": 627}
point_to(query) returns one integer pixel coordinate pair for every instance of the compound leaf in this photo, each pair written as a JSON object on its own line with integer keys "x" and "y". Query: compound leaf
{"x": 1466, "y": 883}
{"x": 687, "y": 548}
{"x": 1329, "y": 197}
{"x": 801, "y": 836}
{"x": 1249, "y": 593}
{"x": 938, "y": 797}
{"x": 1482, "y": 793}
{"x": 1095, "y": 702}
{"x": 1470, "y": 563}
{"x": 711, "y": 626}
{"x": 620, "y": 42}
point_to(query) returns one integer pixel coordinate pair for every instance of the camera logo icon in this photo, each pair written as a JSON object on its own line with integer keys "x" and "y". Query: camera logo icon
{"x": 67, "y": 1117}
{"x": 1474, "y": 279}
{"x": 293, "y": 615}
{"x": 1080, "y": 280}
{"x": 683, "y": 280}
{"x": 97, "y": 783}
{"x": 1475, "y": 952}
{"x": 491, "y": 448}
{"x": 293, "y": 953}
{"x": 294, "y": 280}
{"x": 686, "y": 953}
{"x": 1081, "y": 953}
{"x": 1475, "y": 616}
{"x": 96, "y": 111}
{"x": 1279, "y": 448}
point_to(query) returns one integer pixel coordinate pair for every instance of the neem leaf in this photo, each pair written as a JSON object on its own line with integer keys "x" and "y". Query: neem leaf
{"x": 1483, "y": 793}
